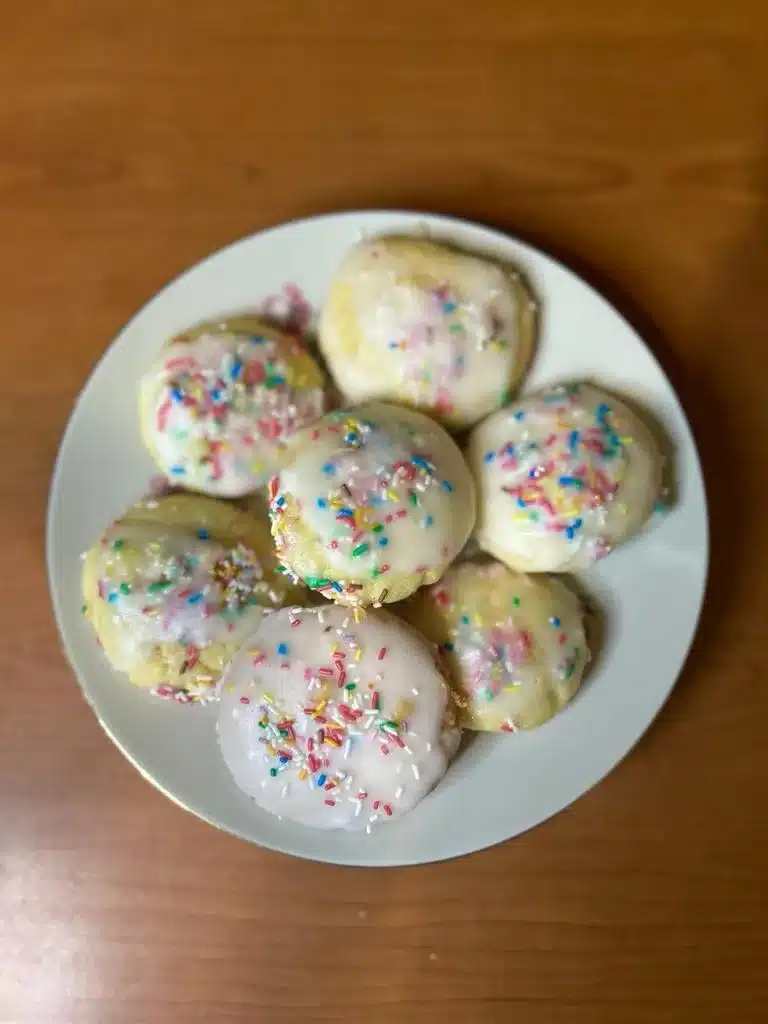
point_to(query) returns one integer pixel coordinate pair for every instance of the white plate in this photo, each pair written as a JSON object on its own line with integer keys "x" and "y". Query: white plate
{"x": 651, "y": 590}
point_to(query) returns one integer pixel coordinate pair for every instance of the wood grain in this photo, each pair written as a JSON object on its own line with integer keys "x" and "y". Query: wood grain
{"x": 630, "y": 139}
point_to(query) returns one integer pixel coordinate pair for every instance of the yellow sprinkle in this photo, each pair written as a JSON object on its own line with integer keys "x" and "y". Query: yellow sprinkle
{"x": 393, "y": 496}
{"x": 268, "y": 698}
{"x": 303, "y": 774}
{"x": 358, "y": 652}
{"x": 627, "y": 440}
{"x": 623, "y": 509}
{"x": 332, "y": 742}
{"x": 254, "y": 651}
{"x": 358, "y": 615}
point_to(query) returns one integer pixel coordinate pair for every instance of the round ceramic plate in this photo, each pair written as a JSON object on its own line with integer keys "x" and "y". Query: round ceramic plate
{"x": 650, "y": 591}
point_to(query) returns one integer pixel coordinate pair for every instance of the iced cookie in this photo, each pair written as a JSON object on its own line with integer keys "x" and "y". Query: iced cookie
{"x": 335, "y": 724}
{"x": 419, "y": 322}
{"x": 174, "y": 586}
{"x": 373, "y": 502}
{"x": 563, "y": 476}
{"x": 513, "y": 645}
{"x": 222, "y": 401}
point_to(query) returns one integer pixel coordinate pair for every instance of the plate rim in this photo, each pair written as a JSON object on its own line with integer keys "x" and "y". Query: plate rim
{"x": 431, "y": 220}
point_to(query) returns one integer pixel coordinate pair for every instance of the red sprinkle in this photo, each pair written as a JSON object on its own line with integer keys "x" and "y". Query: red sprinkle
{"x": 388, "y": 810}
{"x": 382, "y": 654}
{"x": 376, "y": 804}
{"x": 330, "y": 803}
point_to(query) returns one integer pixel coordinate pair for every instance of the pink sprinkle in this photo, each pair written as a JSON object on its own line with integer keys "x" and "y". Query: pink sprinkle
{"x": 382, "y": 654}
{"x": 376, "y": 804}
{"x": 162, "y": 414}
{"x": 245, "y": 700}
{"x": 388, "y": 810}
{"x": 401, "y": 513}
{"x": 179, "y": 363}
{"x": 330, "y": 803}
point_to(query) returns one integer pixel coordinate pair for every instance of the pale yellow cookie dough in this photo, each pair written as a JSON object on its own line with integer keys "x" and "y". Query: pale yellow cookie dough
{"x": 374, "y": 502}
{"x": 175, "y": 584}
{"x": 420, "y": 322}
{"x": 514, "y": 645}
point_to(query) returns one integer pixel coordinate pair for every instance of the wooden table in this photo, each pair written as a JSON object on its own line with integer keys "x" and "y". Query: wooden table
{"x": 628, "y": 138}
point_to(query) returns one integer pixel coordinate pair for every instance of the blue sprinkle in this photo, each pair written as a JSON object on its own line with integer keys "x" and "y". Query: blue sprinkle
{"x": 329, "y": 469}
{"x": 393, "y": 344}
{"x": 532, "y": 475}
{"x": 569, "y": 532}
{"x": 518, "y": 415}
{"x": 237, "y": 368}
{"x": 280, "y": 501}
{"x": 283, "y": 760}
{"x": 282, "y": 648}
{"x": 571, "y": 481}
{"x": 194, "y": 598}
{"x": 178, "y": 470}
{"x": 509, "y": 448}
{"x": 428, "y": 520}
{"x": 489, "y": 456}
{"x": 383, "y": 541}
{"x": 449, "y": 307}
{"x": 447, "y": 487}
{"x": 555, "y": 623}
{"x": 215, "y": 394}
{"x": 573, "y": 440}
{"x": 421, "y": 462}
{"x": 203, "y": 534}
{"x": 337, "y": 587}
{"x": 465, "y": 619}
{"x": 258, "y": 339}
{"x": 321, "y": 503}
{"x": 578, "y": 523}
{"x": 177, "y": 394}
{"x": 321, "y": 780}
{"x": 112, "y": 597}
{"x": 602, "y": 412}
{"x": 521, "y": 502}
{"x": 448, "y": 646}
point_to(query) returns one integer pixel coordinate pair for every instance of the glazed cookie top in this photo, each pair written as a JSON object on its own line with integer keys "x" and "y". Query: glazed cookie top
{"x": 222, "y": 402}
{"x": 335, "y": 724}
{"x": 514, "y": 645}
{"x": 421, "y": 322}
{"x": 373, "y": 500}
{"x": 173, "y": 586}
{"x": 563, "y": 476}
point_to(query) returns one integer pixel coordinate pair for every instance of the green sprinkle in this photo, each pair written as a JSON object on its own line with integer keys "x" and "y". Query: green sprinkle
{"x": 160, "y": 585}
{"x": 389, "y": 726}
{"x": 414, "y": 498}
{"x": 378, "y": 527}
{"x": 117, "y": 544}
{"x": 350, "y": 687}
{"x": 83, "y": 609}
{"x": 506, "y": 396}
{"x": 316, "y": 581}
{"x": 360, "y": 550}
{"x": 273, "y": 772}
{"x": 125, "y": 588}
{"x": 515, "y": 602}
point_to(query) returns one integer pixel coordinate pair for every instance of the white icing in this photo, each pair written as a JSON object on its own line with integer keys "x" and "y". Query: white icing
{"x": 218, "y": 410}
{"x": 363, "y": 711}
{"x": 563, "y": 477}
{"x": 377, "y": 494}
{"x": 171, "y": 586}
{"x": 439, "y": 329}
